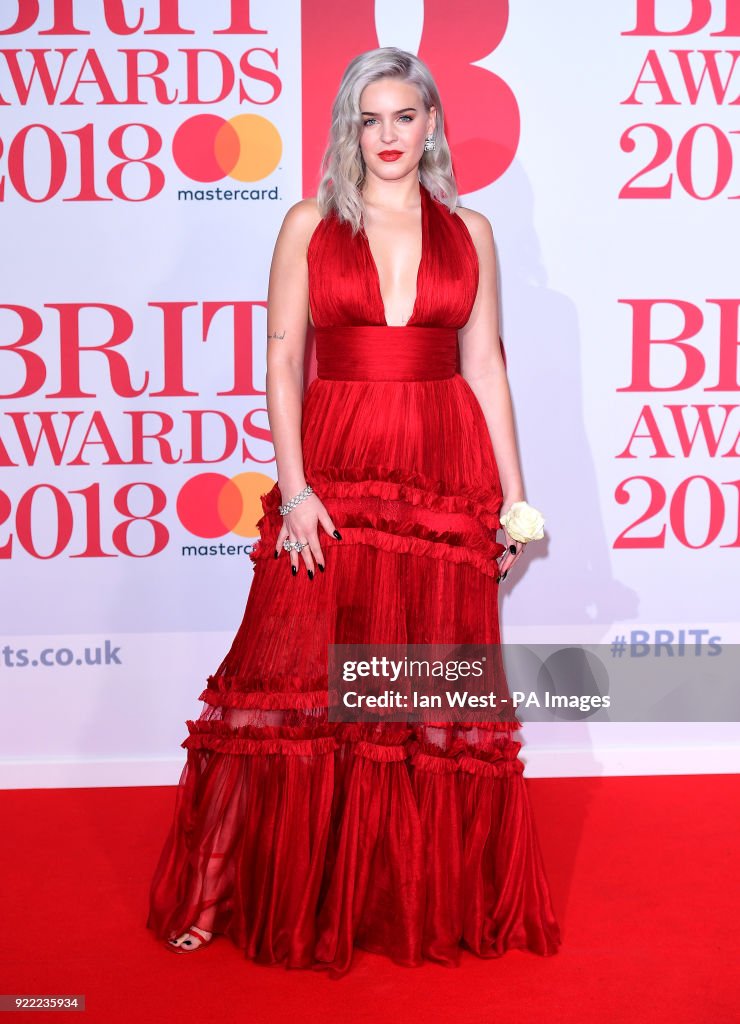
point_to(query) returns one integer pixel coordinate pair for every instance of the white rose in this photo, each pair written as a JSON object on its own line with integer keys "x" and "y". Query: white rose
{"x": 523, "y": 523}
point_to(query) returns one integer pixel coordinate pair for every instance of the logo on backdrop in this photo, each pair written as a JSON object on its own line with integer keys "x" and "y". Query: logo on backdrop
{"x": 212, "y": 505}
{"x": 121, "y": 404}
{"x": 104, "y": 158}
{"x": 668, "y": 158}
{"x": 481, "y": 111}
{"x": 247, "y": 147}
{"x": 680, "y": 96}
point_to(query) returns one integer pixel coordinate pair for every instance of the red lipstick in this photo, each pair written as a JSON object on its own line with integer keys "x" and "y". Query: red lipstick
{"x": 390, "y": 154}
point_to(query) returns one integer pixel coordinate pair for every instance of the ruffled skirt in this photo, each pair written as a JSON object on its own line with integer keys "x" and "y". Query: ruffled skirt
{"x": 301, "y": 837}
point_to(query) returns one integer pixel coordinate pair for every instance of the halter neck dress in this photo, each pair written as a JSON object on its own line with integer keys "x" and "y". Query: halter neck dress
{"x": 305, "y": 837}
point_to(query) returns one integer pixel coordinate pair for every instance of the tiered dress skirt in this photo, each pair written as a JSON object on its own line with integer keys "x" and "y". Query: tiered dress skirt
{"x": 301, "y": 837}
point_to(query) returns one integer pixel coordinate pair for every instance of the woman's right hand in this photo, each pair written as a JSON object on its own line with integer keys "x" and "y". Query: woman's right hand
{"x": 302, "y": 524}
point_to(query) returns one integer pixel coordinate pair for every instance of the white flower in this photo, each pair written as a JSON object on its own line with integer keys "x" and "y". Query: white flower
{"x": 523, "y": 522}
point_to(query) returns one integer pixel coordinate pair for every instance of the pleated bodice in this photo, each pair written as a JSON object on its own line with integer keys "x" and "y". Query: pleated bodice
{"x": 344, "y": 284}
{"x": 353, "y": 340}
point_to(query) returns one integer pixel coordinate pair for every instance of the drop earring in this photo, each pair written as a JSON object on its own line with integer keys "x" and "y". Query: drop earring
{"x": 429, "y": 143}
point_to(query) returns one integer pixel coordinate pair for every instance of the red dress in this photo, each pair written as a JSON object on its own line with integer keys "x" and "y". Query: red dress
{"x": 304, "y": 836}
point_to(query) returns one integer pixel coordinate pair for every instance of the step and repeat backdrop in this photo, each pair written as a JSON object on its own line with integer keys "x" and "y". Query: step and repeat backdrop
{"x": 149, "y": 150}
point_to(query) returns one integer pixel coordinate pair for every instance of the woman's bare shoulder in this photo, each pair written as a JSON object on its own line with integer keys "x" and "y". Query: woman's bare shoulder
{"x": 477, "y": 224}
{"x": 301, "y": 220}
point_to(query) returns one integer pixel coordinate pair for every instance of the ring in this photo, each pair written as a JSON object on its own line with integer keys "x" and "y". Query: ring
{"x": 294, "y": 545}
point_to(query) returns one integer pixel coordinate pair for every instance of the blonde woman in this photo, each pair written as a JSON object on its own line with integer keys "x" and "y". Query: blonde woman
{"x": 297, "y": 836}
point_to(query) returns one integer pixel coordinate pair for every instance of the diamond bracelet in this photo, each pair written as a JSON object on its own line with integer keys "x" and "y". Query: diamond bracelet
{"x": 290, "y": 505}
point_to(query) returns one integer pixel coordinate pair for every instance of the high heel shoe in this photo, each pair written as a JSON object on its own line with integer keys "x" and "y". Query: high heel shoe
{"x": 182, "y": 948}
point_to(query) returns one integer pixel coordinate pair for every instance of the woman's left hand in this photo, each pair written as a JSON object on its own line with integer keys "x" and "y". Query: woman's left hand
{"x": 514, "y": 551}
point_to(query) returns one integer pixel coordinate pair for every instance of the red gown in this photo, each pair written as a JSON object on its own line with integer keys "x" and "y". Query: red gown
{"x": 300, "y": 837}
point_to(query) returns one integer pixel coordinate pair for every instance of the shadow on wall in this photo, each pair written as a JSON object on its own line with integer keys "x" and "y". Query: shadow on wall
{"x": 569, "y": 577}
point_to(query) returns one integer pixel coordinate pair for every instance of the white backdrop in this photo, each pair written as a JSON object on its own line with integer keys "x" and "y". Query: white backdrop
{"x": 131, "y": 552}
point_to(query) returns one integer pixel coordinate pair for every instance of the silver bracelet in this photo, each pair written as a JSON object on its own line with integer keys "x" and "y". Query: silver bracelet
{"x": 290, "y": 505}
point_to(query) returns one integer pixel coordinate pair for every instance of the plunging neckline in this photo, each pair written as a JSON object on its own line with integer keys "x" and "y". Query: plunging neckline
{"x": 376, "y": 272}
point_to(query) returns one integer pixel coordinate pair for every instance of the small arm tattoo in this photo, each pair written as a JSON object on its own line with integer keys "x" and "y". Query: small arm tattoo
{"x": 275, "y": 334}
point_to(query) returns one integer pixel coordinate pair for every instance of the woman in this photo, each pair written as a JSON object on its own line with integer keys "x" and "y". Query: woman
{"x": 298, "y": 836}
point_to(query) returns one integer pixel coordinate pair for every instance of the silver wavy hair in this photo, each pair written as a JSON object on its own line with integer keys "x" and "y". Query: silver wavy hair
{"x": 343, "y": 166}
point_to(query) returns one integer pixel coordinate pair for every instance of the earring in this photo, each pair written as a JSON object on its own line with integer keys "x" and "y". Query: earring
{"x": 429, "y": 143}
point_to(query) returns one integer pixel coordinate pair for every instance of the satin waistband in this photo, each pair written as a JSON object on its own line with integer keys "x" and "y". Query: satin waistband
{"x": 386, "y": 353}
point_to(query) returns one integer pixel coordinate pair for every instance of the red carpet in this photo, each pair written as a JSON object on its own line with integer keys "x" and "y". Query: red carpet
{"x": 644, "y": 878}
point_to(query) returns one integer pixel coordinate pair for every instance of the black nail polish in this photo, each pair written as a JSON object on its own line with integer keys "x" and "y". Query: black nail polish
{"x": 505, "y": 575}
{"x": 277, "y": 553}
{"x": 321, "y": 566}
{"x": 310, "y": 573}
{"x": 294, "y": 570}
{"x": 498, "y": 579}
{"x": 337, "y": 534}
{"x": 512, "y": 548}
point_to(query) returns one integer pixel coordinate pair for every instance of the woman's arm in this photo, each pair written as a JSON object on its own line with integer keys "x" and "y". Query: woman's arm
{"x": 287, "y": 319}
{"x": 482, "y": 364}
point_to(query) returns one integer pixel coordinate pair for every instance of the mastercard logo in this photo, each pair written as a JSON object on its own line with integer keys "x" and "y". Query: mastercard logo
{"x": 207, "y": 147}
{"x": 212, "y": 505}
